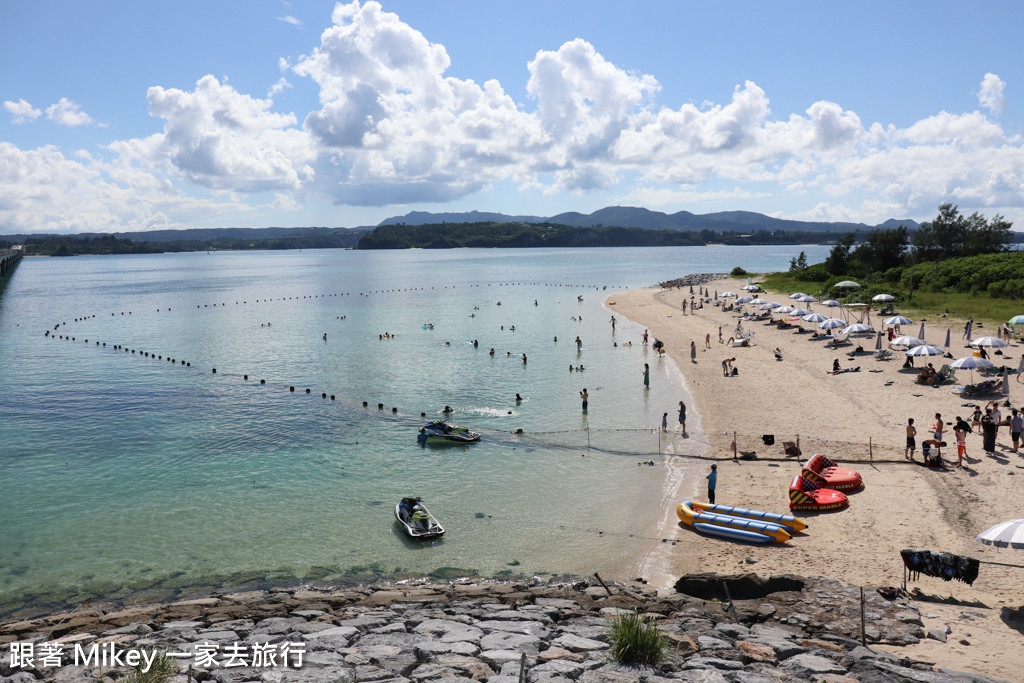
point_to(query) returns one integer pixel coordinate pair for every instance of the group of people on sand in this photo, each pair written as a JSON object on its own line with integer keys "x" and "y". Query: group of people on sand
{"x": 986, "y": 423}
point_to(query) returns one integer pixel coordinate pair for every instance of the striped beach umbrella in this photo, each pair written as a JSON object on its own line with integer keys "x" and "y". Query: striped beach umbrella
{"x": 907, "y": 341}
{"x": 744, "y": 299}
{"x": 832, "y": 324}
{"x": 815, "y": 318}
{"x": 990, "y": 342}
{"x": 728, "y": 295}
{"x": 808, "y": 299}
{"x": 799, "y": 312}
{"x": 883, "y": 297}
{"x": 857, "y": 327}
{"x": 897, "y": 320}
{"x": 796, "y": 295}
{"x": 925, "y": 350}
{"x": 831, "y": 302}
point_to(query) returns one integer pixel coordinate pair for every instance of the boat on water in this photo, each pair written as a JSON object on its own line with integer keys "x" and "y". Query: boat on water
{"x": 440, "y": 430}
{"x": 739, "y": 524}
{"x": 416, "y": 520}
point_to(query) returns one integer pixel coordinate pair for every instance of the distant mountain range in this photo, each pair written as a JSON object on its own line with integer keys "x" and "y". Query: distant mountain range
{"x": 635, "y": 217}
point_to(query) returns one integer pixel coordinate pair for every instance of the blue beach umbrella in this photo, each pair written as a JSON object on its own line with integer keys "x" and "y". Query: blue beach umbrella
{"x": 728, "y": 295}
{"x": 832, "y": 324}
{"x": 800, "y": 312}
{"x": 1016, "y": 320}
{"x": 815, "y": 317}
{"x": 744, "y": 299}
{"x": 907, "y": 341}
{"x": 831, "y": 302}
{"x": 796, "y": 295}
{"x": 857, "y": 327}
{"x": 897, "y": 320}
{"x": 808, "y": 299}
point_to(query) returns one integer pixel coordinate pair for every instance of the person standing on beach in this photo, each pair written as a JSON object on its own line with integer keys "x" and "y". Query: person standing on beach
{"x": 721, "y": 342}
{"x": 644, "y": 335}
{"x": 911, "y": 443}
{"x": 613, "y": 323}
{"x": 1016, "y": 422}
{"x": 967, "y": 330}
{"x": 712, "y": 483}
{"x": 682, "y": 416}
{"x": 693, "y": 351}
{"x": 988, "y": 432}
{"x": 647, "y": 376}
{"x": 707, "y": 340}
{"x": 937, "y": 428}
{"x": 961, "y": 443}
{"x": 586, "y": 398}
{"x": 1020, "y": 367}
{"x": 664, "y": 422}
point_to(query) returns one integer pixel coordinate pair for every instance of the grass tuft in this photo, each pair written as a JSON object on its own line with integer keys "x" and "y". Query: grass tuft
{"x": 163, "y": 669}
{"x": 635, "y": 640}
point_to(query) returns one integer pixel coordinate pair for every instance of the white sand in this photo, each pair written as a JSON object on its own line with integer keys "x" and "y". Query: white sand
{"x": 903, "y": 504}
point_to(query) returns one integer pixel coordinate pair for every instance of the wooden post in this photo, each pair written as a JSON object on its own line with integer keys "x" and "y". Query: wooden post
{"x": 734, "y": 445}
{"x": 732, "y": 607}
{"x": 871, "y": 452}
{"x": 798, "y": 442}
{"x": 863, "y": 638}
{"x": 522, "y": 668}
{"x": 598, "y": 577}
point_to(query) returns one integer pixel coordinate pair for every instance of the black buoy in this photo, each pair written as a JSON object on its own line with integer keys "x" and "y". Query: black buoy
{"x": 263, "y": 381}
{"x": 291, "y": 388}
{"x": 215, "y": 371}
{"x": 245, "y": 376}
{"x": 307, "y": 390}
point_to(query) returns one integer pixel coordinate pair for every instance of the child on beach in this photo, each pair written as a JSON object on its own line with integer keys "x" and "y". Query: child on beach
{"x": 712, "y": 483}
{"x": 908, "y": 453}
{"x": 961, "y": 445}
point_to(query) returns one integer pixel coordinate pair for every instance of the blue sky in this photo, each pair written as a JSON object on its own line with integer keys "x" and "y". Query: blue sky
{"x": 136, "y": 116}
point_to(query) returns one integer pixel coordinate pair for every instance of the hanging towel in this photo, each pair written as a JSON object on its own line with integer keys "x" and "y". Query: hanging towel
{"x": 945, "y": 566}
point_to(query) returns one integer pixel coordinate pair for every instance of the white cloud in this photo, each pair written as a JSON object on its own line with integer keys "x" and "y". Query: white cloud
{"x": 392, "y": 127}
{"x": 990, "y": 95}
{"x": 289, "y": 20}
{"x": 67, "y": 113}
{"x": 21, "y": 111}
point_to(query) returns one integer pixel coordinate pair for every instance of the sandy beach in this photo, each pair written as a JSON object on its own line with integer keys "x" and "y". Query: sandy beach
{"x": 857, "y": 419}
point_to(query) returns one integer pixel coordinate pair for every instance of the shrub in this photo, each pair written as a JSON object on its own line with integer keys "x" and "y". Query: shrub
{"x": 635, "y": 640}
{"x": 738, "y": 272}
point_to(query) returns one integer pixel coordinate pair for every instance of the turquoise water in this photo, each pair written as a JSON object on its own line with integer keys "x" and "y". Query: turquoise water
{"x": 126, "y": 473}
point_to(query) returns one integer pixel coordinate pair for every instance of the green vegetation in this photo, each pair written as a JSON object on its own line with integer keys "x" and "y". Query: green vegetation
{"x": 957, "y": 265}
{"x": 71, "y": 245}
{"x": 163, "y": 669}
{"x": 739, "y": 272}
{"x": 635, "y": 640}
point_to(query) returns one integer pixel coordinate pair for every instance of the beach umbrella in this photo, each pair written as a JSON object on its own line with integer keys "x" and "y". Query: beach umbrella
{"x": 744, "y": 299}
{"x": 796, "y": 295}
{"x": 691, "y": 289}
{"x": 716, "y": 295}
{"x": 907, "y": 341}
{"x": 832, "y": 324}
{"x": 857, "y": 327}
{"x": 800, "y": 312}
{"x": 751, "y": 288}
{"x": 815, "y": 317}
{"x": 878, "y": 342}
{"x": 784, "y": 309}
{"x": 971, "y": 362}
{"x": 925, "y": 350}
{"x": 846, "y": 284}
{"x": 897, "y": 320}
{"x": 946, "y": 345}
{"x": 991, "y": 342}
{"x": 1016, "y": 320}
{"x": 883, "y": 297}
{"x": 921, "y": 333}
{"x": 831, "y": 302}
{"x": 757, "y": 301}
{"x": 727, "y": 295}
{"x": 1004, "y": 535}
{"x": 808, "y": 299}
{"x": 1006, "y": 380}
{"x": 770, "y": 304}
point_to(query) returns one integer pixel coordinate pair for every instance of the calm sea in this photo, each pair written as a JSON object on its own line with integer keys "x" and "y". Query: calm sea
{"x": 127, "y": 475}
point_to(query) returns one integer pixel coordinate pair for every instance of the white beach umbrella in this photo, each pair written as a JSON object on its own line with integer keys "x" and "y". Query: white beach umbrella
{"x": 831, "y": 302}
{"x": 785, "y": 310}
{"x": 925, "y": 350}
{"x": 1004, "y": 535}
{"x": 796, "y": 295}
{"x": 921, "y": 332}
{"x": 971, "y": 362}
{"x": 771, "y": 304}
{"x": 883, "y": 297}
{"x": 815, "y": 317}
{"x": 907, "y": 341}
{"x": 832, "y": 324}
{"x": 758, "y": 301}
{"x": 846, "y": 284}
{"x": 897, "y": 320}
{"x": 744, "y": 299}
{"x": 751, "y": 288}
{"x": 728, "y": 295}
{"x": 808, "y": 299}
{"x": 991, "y": 342}
{"x": 857, "y": 327}
{"x": 799, "y": 312}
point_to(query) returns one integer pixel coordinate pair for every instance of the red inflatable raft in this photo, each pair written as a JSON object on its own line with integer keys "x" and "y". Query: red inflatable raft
{"x": 826, "y": 473}
{"x": 804, "y": 494}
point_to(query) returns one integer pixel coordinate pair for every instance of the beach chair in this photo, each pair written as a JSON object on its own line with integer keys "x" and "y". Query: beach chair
{"x": 945, "y": 375}
{"x": 840, "y": 340}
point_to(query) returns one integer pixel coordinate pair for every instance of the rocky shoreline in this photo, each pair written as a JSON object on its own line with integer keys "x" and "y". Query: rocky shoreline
{"x": 782, "y": 628}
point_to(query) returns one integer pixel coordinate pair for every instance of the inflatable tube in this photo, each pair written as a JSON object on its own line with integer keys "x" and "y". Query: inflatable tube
{"x": 828, "y": 474}
{"x": 787, "y": 521}
{"x": 737, "y": 528}
{"x": 804, "y": 494}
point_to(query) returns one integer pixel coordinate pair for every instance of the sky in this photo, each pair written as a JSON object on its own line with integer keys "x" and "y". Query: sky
{"x": 119, "y": 115}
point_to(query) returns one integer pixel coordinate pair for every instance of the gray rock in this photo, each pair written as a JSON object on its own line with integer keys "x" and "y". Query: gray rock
{"x": 783, "y": 648}
{"x": 733, "y": 631}
{"x": 712, "y": 663}
{"x": 937, "y": 634}
{"x": 511, "y": 641}
{"x": 529, "y": 628}
{"x": 575, "y": 643}
{"x": 431, "y": 648}
{"x": 20, "y": 677}
{"x": 709, "y": 643}
{"x": 500, "y": 657}
{"x": 449, "y": 631}
{"x": 812, "y": 664}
